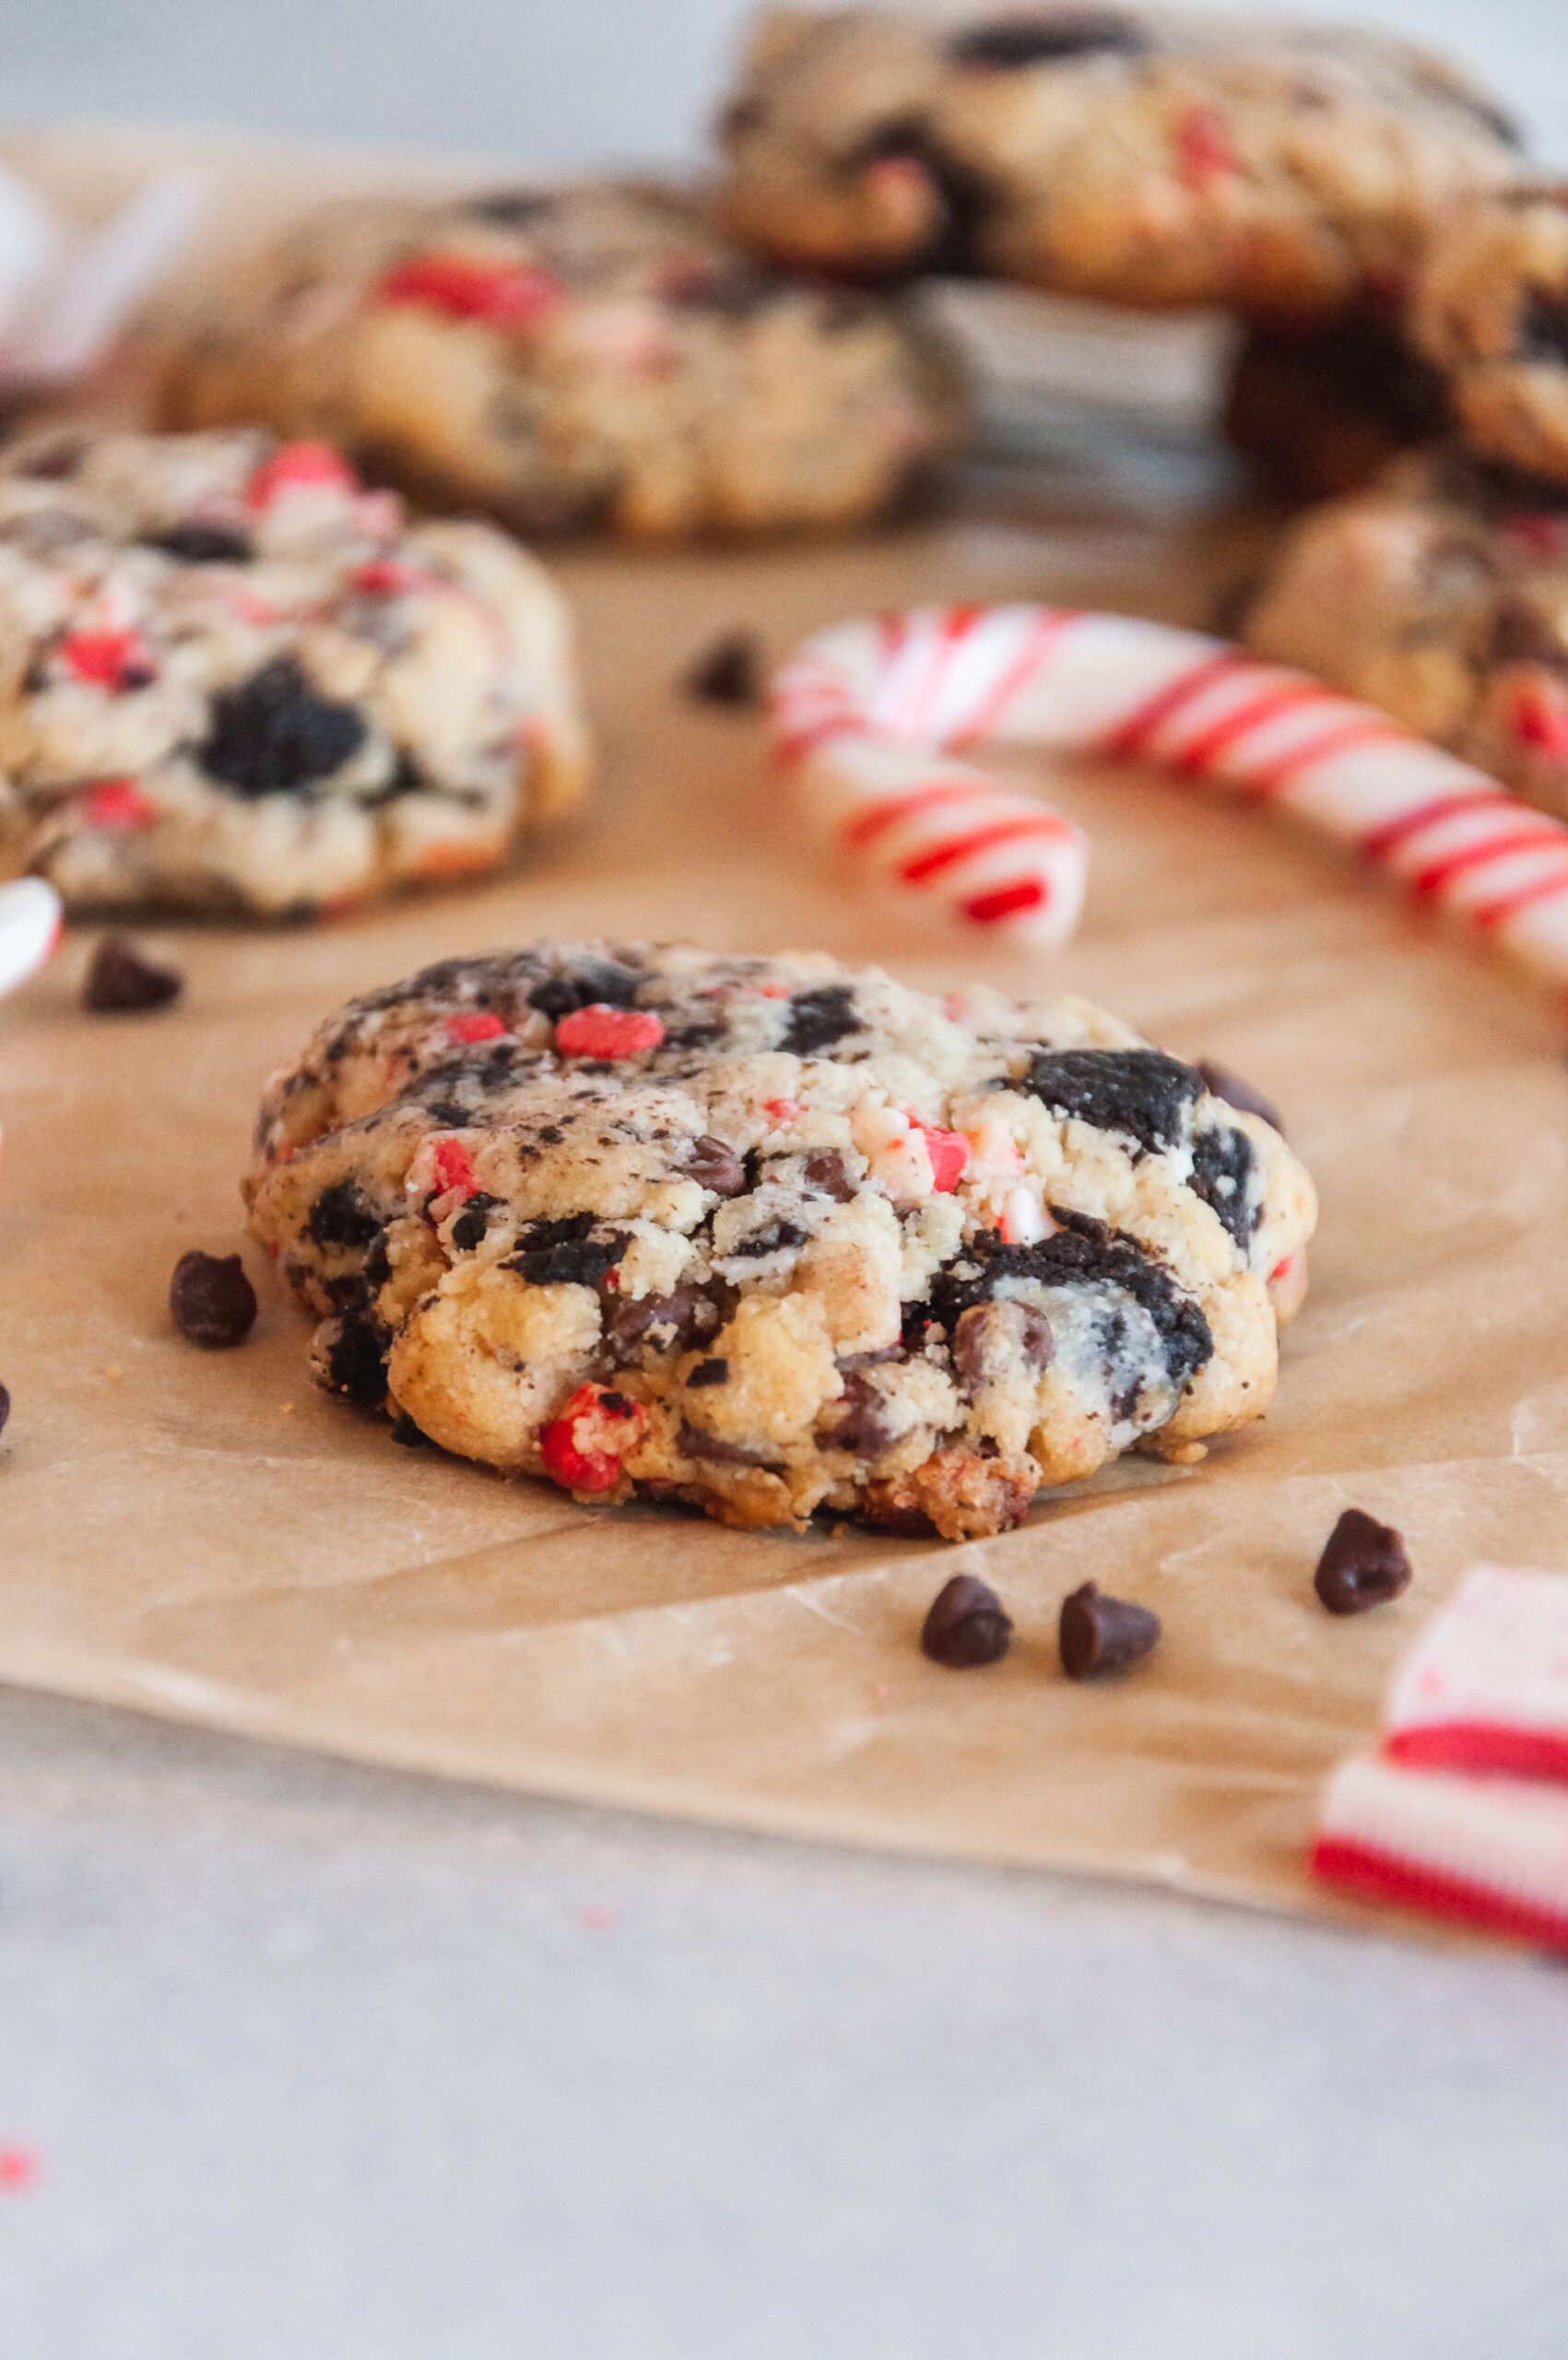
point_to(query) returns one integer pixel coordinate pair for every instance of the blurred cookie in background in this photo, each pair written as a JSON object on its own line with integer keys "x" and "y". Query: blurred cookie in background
{"x": 1320, "y": 409}
{"x": 1492, "y": 316}
{"x": 592, "y": 356}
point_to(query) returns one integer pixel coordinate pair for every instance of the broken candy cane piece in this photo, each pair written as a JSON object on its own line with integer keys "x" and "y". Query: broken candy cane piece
{"x": 1485, "y": 1687}
{"x": 29, "y": 929}
{"x": 866, "y": 713}
{"x": 1488, "y": 1852}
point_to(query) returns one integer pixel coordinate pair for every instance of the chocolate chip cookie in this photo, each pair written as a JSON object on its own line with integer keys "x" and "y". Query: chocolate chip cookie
{"x": 586, "y": 356}
{"x": 772, "y": 1235}
{"x": 1491, "y": 315}
{"x": 1144, "y": 158}
{"x": 1442, "y": 596}
{"x": 231, "y": 678}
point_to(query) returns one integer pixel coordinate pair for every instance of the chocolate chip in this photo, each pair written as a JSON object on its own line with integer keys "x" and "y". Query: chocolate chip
{"x": 1013, "y": 41}
{"x": 970, "y": 1348}
{"x": 199, "y": 544}
{"x": 824, "y": 1170}
{"x": 1220, "y": 1082}
{"x": 342, "y": 1216}
{"x": 730, "y": 672}
{"x": 713, "y": 1372}
{"x": 406, "y": 1432}
{"x": 123, "y": 981}
{"x": 693, "y": 1444}
{"x": 713, "y": 1163}
{"x": 967, "y": 1625}
{"x": 1141, "y": 1092}
{"x": 864, "y": 1426}
{"x": 473, "y": 1220}
{"x": 356, "y": 1364}
{"x": 667, "y": 1322}
{"x": 1363, "y": 1565}
{"x": 1222, "y": 1170}
{"x": 1099, "y": 1635}
{"x": 4, "y": 1406}
{"x": 211, "y": 1300}
{"x": 817, "y": 1019}
{"x": 276, "y": 732}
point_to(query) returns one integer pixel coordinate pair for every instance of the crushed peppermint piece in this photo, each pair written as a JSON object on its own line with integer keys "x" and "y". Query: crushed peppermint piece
{"x": 582, "y": 1449}
{"x": 464, "y": 1031}
{"x": 510, "y": 295}
{"x": 299, "y": 467}
{"x": 600, "y": 1030}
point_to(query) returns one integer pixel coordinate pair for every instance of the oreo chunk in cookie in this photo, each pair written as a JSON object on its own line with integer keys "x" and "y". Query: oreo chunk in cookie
{"x": 1141, "y": 1092}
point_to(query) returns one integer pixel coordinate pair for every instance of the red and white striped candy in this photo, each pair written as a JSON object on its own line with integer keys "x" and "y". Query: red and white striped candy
{"x": 1485, "y": 1687}
{"x": 1486, "y": 1852}
{"x": 866, "y": 715}
{"x": 29, "y": 929}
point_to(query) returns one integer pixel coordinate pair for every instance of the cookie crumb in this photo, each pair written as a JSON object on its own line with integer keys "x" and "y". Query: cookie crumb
{"x": 1363, "y": 1565}
{"x": 123, "y": 981}
{"x": 729, "y": 672}
{"x": 211, "y": 1300}
{"x": 1099, "y": 1635}
{"x": 967, "y": 1625}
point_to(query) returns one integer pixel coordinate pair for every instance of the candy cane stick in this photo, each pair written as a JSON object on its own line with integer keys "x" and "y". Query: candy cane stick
{"x": 29, "y": 929}
{"x": 867, "y": 715}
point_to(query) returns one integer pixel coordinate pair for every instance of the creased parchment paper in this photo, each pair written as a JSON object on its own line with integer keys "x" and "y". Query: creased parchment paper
{"x": 203, "y": 1536}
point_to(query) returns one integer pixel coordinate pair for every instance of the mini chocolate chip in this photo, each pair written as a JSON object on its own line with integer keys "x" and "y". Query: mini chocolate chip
{"x": 865, "y": 1427}
{"x": 4, "y": 1406}
{"x": 1036, "y": 1342}
{"x": 211, "y": 1300}
{"x": 729, "y": 672}
{"x": 1362, "y": 1565}
{"x": 967, "y": 1625}
{"x": 1220, "y": 1082}
{"x": 713, "y": 1372}
{"x": 406, "y": 1432}
{"x": 1099, "y": 1635}
{"x": 121, "y": 980}
{"x": 664, "y": 1321}
{"x": 714, "y": 1165}
{"x": 824, "y": 1170}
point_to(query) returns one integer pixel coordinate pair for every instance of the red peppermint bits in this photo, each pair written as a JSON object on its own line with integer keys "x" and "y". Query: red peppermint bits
{"x": 299, "y": 467}
{"x": 115, "y": 805}
{"x": 385, "y": 578}
{"x": 602, "y": 1031}
{"x": 1541, "y": 718}
{"x": 582, "y": 1449}
{"x": 453, "y": 1168}
{"x": 508, "y": 295}
{"x": 949, "y": 1151}
{"x": 461, "y": 1031}
{"x": 111, "y": 659}
{"x": 1203, "y": 148}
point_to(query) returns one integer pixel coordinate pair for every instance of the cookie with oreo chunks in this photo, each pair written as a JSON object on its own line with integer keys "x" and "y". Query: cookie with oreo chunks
{"x": 234, "y": 681}
{"x": 1441, "y": 594}
{"x": 772, "y": 1235}
{"x": 1491, "y": 314}
{"x": 591, "y": 356}
{"x": 1142, "y": 157}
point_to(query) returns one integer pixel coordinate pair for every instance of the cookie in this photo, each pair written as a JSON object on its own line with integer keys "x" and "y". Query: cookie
{"x": 1143, "y": 158}
{"x": 1490, "y": 313}
{"x": 1320, "y": 409}
{"x": 589, "y": 356}
{"x": 772, "y": 1235}
{"x": 1442, "y": 596}
{"x": 232, "y": 679}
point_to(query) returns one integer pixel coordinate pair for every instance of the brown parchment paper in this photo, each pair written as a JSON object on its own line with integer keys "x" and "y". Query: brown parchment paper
{"x": 205, "y": 1537}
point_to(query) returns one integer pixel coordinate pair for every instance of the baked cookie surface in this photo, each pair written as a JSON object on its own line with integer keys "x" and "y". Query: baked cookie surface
{"x": 1491, "y": 313}
{"x": 1143, "y": 158}
{"x": 1441, "y": 594}
{"x": 230, "y": 678}
{"x": 594, "y": 355}
{"x": 772, "y": 1235}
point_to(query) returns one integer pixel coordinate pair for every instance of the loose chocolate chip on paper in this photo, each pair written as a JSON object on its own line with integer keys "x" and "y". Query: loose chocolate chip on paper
{"x": 1099, "y": 1635}
{"x": 1364, "y": 1565}
{"x": 212, "y": 1301}
{"x": 729, "y": 672}
{"x": 123, "y": 981}
{"x": 1220, "y": 1082}
{"x": 967, "y": 1625}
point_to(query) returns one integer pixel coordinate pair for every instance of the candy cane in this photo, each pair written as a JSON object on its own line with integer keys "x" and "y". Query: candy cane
{"x": 29, "y": 929}
{"x": 868, "y": 718}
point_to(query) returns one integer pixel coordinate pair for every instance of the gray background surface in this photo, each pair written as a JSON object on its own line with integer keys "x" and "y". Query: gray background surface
{"x": 337, "y": 2066}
